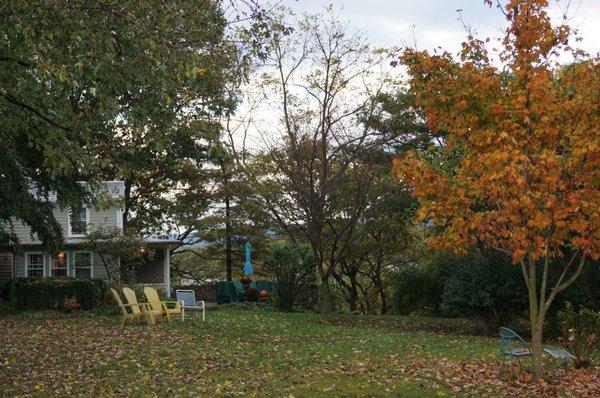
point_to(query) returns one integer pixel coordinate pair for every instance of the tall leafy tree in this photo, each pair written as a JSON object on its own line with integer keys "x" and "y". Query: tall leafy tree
{"x": 318, "y": 82}
{"x": 53, "y": 96}
{"x": 123, "y": 90}
{"x": 379, "y": 237}
{"x": 167, "y": 136}
{"x": 233, "y": 217}
{"x": 384, "y": 240}
{"x": 527, "y": 180}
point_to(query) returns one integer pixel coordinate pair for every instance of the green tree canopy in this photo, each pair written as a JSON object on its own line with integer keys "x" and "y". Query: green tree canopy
{"x": 123, "y": 90}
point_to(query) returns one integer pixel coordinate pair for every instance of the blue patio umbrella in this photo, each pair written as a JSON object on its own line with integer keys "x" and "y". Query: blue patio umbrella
{"x": 248, "y": 270}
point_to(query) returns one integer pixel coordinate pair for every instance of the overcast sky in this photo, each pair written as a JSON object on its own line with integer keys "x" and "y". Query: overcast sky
{"x": 429, "y": 23}
{"x": 389, "y": 23}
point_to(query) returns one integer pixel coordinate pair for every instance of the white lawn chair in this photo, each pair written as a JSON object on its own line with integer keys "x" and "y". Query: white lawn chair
{"x": 188, "y": 298}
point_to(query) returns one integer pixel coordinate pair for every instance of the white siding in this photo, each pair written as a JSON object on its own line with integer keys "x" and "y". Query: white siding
{"x": 23, "y": 232}
{"x": 6, "y": 264}
{"x": 111, "y": 217}
{"x": 98, "y": 265}
{"x": 98, "y": 218}
{"x": 105, "y": 218}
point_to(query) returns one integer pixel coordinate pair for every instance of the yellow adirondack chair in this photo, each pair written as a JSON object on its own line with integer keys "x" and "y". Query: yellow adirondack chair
{"x": 139, "y": 308}
{"x": 163, "y": 306}
{"x": 134, "y": 310}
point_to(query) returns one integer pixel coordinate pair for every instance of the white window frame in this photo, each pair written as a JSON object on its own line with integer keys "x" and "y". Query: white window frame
{"x": 27, "y": 264}
{"x": 87, "y": 222}
{"x": 74, "y": 267}
{"x": 52, "y": 263}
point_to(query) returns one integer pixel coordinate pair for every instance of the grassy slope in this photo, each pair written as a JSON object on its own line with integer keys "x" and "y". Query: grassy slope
{"x": 236, "y": 352}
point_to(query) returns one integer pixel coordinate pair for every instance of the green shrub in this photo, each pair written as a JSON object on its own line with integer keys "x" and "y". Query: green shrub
{"x": 483, "y": 285}
{"x": 50, "y": 293}
{"x": 486, "y": 285}
{"x": 476, "y": 285}
{"x": 293, "y": 266}
{"x": 418, "y": 290}
{"x": 580, "y": 333}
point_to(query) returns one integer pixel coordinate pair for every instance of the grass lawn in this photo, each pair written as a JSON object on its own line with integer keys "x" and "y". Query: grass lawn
{"x": 246, "y": 351}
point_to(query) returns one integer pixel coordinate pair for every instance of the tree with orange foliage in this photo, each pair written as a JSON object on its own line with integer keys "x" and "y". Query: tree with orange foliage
{"x": 527, "y": 181}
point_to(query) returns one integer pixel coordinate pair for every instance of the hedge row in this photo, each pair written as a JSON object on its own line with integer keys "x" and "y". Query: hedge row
{"x": 484, "y": 285}
{"x": 50, "y": 293}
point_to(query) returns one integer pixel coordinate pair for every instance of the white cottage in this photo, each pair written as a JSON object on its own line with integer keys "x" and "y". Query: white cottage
{"x": 71, "y": 260}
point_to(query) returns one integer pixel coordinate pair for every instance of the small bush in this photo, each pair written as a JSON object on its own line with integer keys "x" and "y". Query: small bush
{"x": 51, "y": 293}
{"x": 205, "y": 291}
{"x": 477, "y": 285}
{"x": 484, "y": 285}
{"x": 417, "y": 290}
{"x": 580, "y": 333}
{"x": 293, "y": 266}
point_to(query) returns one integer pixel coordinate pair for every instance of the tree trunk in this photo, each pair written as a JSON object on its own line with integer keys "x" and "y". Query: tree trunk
{"x": 326, "y": 299}
{"x": 106, "y": 268}
{"x": 539, "y": 302}
{"x": 352, "y": 291}
{"x": 127, "y": 204}
{"x": 368, "y": 305}
{"x": 228, "y": 245}
{"x": 351, "y": 288}
{"x": 535, "y": 317}
{"x": 325, "y": 295}
{"x": 377, "y": 280}
{"x": 324, "y": 290}
{"x": 536, "y": 351}
{"x": 382, "y": 295}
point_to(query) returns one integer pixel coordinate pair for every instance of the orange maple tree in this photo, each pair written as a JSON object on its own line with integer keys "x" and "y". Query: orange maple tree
{"x": 527, "y": 129}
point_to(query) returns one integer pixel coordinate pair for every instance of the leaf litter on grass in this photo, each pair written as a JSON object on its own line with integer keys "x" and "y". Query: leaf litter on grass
{"x": 242, "y": 352}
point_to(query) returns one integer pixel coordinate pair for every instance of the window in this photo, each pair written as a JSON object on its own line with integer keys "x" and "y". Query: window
{"x": 35, "y": 265}
{"x": 58, "y": 266}
{"x": 82, "y": 264}
{"x": 78, "y": 221}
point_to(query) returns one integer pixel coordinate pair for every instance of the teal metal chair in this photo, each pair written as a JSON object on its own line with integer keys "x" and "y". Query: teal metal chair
{"x": 512, "y": 346}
